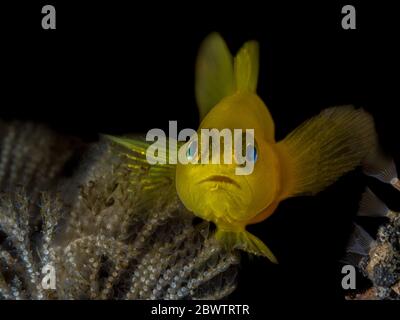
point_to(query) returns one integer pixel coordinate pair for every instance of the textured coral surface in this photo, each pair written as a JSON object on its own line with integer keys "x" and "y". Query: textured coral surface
{"x": 382, "y": 264}
{"x": 99, "y": 230}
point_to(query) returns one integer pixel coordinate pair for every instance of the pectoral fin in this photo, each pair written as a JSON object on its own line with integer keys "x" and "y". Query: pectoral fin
{"x": 323, "y": 148}
{"x": 245, "y": 241}
{"x": 155, "y": 176}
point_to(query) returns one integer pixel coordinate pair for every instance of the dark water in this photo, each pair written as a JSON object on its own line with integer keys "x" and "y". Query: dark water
{"x": 114, "y": 68}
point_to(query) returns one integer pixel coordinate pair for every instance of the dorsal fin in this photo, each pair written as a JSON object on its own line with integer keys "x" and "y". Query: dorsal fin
{"x": 246, "y": 66}
{"x": 214, "y": 73}
{"x": 218, "y": 75}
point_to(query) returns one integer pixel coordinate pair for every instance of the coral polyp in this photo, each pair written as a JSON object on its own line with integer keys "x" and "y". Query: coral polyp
{"x": 378, "y": 257}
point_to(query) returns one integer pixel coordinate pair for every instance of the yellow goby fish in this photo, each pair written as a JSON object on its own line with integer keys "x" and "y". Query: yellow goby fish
{"x": 308, "y": 160}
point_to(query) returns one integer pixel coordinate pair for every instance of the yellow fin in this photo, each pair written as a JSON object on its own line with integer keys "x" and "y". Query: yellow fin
{"x": 246, "y": 67}
{"x": 245, "y": 241}
{"x": 156, "y": 175}
{"x": 134, "y": 145}
{"x": 214, "y": 73}
{"x": 218, "y": 75}
{"x": 323, "y": 148}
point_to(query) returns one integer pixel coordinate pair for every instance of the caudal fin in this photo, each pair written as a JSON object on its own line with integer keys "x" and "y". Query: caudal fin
{"x": 325, "y": 147}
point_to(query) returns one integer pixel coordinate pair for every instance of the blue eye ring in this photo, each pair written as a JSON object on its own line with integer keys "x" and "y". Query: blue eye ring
{"x": 191, "y": 150}
{"x": 251, "y": 153}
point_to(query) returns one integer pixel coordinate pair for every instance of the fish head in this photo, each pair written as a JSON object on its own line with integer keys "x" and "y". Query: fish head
{"x": 228, "y": 192}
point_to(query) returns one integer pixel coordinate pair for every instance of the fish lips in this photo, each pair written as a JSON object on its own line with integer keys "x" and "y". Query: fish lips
{"x": 221, "y": 179}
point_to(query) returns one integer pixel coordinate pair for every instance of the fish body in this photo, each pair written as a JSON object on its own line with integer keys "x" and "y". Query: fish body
{"x": 308, "y": 160}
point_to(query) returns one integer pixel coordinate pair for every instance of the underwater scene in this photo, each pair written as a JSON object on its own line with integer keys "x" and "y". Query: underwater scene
{"x": 228, "y": 154}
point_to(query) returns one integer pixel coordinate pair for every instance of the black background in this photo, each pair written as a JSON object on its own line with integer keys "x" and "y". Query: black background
{"x": 115, "y": 68}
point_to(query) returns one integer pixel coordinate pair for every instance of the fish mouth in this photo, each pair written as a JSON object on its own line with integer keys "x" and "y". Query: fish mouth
{"x": 221, "y": 179}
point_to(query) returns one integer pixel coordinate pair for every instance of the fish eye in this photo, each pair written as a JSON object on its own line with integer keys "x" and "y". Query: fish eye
{"x": 251, "y": 153}
{"x": 191, "y": 150}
